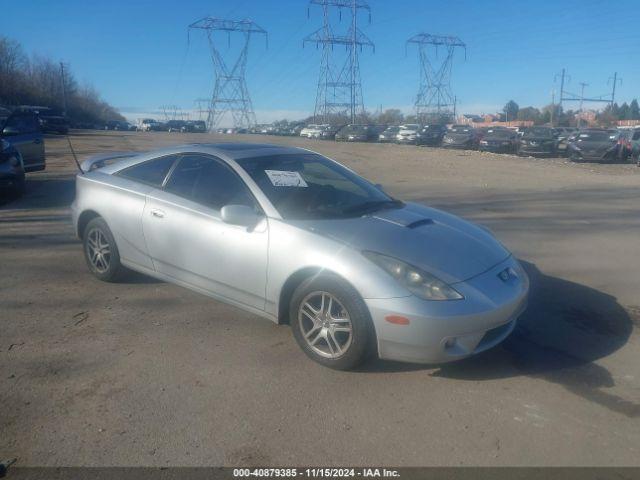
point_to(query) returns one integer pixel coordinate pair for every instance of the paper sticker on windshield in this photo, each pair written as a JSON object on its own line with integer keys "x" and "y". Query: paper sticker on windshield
{"x": 281, "y": 178}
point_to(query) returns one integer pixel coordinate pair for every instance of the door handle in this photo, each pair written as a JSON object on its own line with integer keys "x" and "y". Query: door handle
{"x": 37, "y": 141}
{"x": 157, "y": 213}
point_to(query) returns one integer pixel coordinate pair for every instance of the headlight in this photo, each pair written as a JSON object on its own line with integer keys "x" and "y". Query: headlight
{"x": 418, "y": 282}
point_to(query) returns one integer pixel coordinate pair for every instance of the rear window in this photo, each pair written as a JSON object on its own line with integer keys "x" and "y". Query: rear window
{"x": 152, "y": 172}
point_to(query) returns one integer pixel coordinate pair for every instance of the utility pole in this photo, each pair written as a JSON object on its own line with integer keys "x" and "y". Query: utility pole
{"x": 339, "y": 86}
{"x": 64, "y": 89}
{"x": 616, "y": 80}
{"x": 230, "y": 92}
{"x": 553, "y": 104}
{"x": 435, "y": 98}
{"x": 582, "y": 85}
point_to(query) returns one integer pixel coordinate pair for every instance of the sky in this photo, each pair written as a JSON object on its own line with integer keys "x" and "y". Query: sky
{"x": 139, "y": 55}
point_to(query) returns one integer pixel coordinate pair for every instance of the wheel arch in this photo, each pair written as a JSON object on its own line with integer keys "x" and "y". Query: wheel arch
{"x": 84, "y": 219}
{"x": 294, "y": 280}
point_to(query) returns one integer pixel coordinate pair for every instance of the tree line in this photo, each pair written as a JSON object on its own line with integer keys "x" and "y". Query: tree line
{"x": 38, "y": 81}
{"x": 553, "y": 112}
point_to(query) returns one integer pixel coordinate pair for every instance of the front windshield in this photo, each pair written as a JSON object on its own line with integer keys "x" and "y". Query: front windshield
{"x": 355, "y": 129}
{"x": 596, "y": 136}
{"x": 308, "y": 186}
{"x": 499, "y": 133}
{"x": 539, "y": 132}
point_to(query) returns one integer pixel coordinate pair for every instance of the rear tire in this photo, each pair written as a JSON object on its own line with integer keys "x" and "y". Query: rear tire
{"x": 101, "y": 252}
{"x": 331, "y": 322}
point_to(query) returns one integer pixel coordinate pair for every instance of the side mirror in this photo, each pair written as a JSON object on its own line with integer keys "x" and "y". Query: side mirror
{"x": 8, "y": 131}
{"x": 239, "y": 215}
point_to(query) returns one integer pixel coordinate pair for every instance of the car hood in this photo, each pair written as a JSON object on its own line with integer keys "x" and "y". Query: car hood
{"x": 441, "y": 244}
{"x": 538, "y": 139}
{"x": 460, "y": 137}
{"x": 599, "y": 147}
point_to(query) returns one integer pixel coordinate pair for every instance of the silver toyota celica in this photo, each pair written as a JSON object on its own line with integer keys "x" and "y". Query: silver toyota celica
{"x": 297, "y": 238}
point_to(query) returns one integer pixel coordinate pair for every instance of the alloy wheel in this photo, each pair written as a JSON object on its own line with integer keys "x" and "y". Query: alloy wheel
{"x": 325, "y": 324}
{"x": 99, "y": 250}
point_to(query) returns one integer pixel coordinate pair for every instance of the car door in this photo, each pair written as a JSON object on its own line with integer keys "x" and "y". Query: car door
{"x": 22, "y": 130}
{"x": 187, "y": 239}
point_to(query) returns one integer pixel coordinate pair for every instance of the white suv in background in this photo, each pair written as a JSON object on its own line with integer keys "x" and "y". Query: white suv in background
{"x": 312, "y": 131}
{"x": 408, "y": 133}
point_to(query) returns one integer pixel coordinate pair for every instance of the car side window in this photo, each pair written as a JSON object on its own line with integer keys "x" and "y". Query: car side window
{"x": 636, "y": 135}
{"x": 208, "y": 182}
{"x": 152, "y": 172}
{"x": 23, "y": 123}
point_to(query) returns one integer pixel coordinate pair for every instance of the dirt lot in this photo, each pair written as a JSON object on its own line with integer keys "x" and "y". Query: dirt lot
{"x": 146, "y": 373}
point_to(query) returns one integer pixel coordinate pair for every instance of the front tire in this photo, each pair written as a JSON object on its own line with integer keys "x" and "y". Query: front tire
{"x": 101, "y": 252}
{"x": 331, "y": 322}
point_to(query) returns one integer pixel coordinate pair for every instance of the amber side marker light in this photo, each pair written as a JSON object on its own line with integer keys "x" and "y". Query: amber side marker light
{"x": 397, "y": 320}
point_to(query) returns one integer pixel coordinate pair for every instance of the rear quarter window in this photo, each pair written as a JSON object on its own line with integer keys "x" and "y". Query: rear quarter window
{"x": 152, "y": 172}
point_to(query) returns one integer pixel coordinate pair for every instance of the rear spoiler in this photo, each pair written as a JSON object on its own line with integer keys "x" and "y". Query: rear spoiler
{"x": 102, "y": 160}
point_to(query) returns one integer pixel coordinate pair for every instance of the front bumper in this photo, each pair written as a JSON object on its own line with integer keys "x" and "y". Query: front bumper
{"x": 412, "y": 140}
{"x": 443, "y": 331}
{"x": 496, "y": 148}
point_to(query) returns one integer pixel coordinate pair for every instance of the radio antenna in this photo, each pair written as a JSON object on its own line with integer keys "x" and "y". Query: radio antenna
{"x": 75, "y": 158}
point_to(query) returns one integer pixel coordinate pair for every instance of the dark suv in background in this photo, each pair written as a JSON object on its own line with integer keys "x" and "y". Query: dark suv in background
{"x": 499, "y": 140}
{"x": 431, "y": 135}
{"x": 596, "y": 145}
{"x": 538, "y": 142}
{"x": 461, "y": 136}
{"x": 23, "y": 131}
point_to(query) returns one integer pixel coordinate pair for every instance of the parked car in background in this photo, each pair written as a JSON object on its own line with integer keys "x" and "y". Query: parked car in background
{"x": 22, "y": 130}
{"x": 499, "y": 140}
{"x": 329, "y": 132}
{"x": 52, "y": 121}
{"x": 147, "y": 124}
{"x": 358, "y": 133}
{"x": 175, "y": 125}
{"x": 118, "y": 125}
{"x": 388, "y": 135}
{"x": 194, "y": 126}
{"x": 311, "y": 130}
{"x": 596, "y": 145}
{"x": 634, "y": 140}
{"x": 538, "y": 141}
{"x": 461, "y": 136}
{"x": 431, "y": 135}
{"x": 563, "y": 135}
{"x": 629, "y": 144}
{"x": 408, "y": 133}
{"x": 12, "y": 174}
{"x": 297, "y": 238}
{"x": 4, "y": 114}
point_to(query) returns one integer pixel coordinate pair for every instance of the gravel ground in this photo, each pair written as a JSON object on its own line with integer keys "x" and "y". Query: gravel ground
{"x": 146, "y": 373}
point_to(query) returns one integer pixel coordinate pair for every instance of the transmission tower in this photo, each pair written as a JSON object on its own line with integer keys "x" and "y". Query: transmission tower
{"x": 201, "y": 106}
{"x": 435, "y": 101}
{"x": 339, "y": 85}
{"x": 230, "y": 93}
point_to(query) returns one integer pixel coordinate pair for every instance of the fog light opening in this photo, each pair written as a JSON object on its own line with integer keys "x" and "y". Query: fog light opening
{"x": 449, "y": 343}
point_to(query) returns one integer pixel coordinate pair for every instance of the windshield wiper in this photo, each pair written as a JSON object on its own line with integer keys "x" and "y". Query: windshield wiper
{"x": 373, "y": 206}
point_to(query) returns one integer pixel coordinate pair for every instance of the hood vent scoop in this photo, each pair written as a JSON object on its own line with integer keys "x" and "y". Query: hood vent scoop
{"x": 419, "y": 223}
